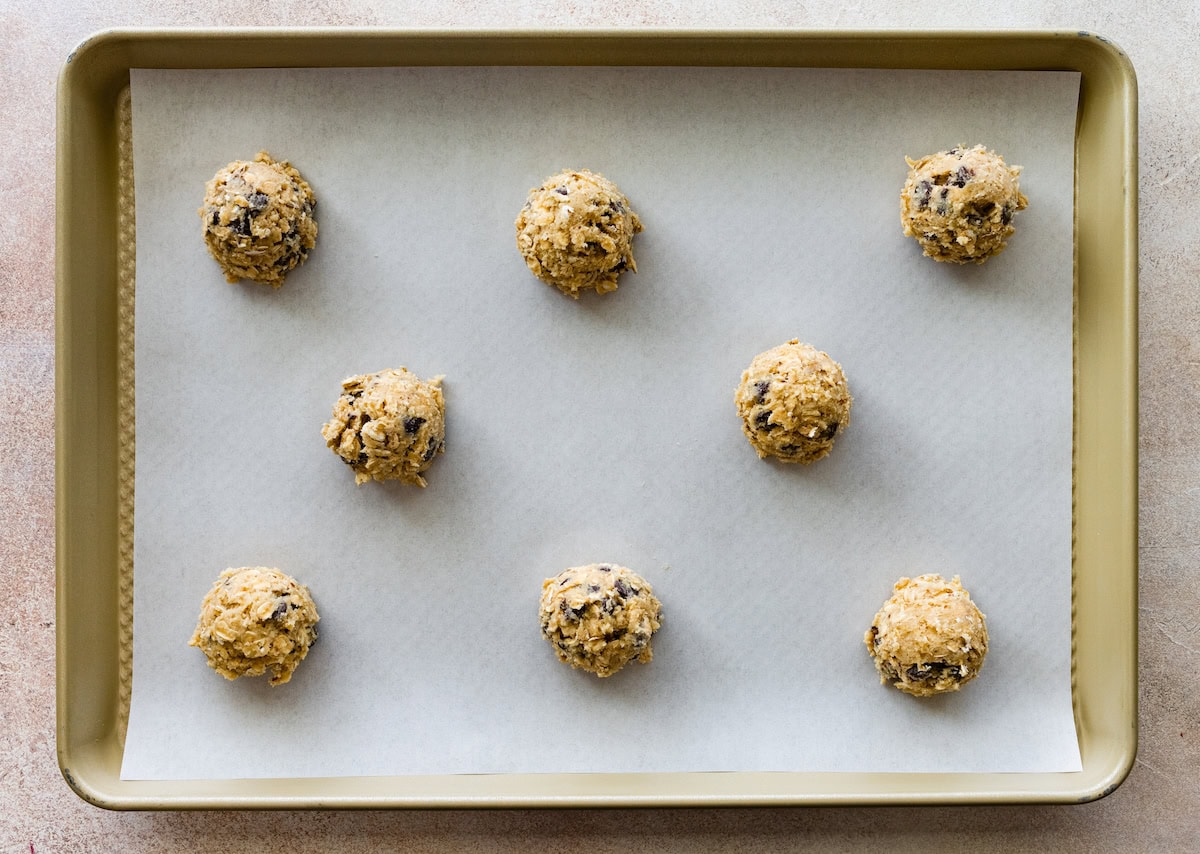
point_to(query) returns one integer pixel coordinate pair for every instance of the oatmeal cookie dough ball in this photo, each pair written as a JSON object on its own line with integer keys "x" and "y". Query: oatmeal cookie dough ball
{"x": 793, "y": 401}
{"x": 575, "y": 232}
{"x": 599, "y": 617}
{"x": 959, "y": 204}
{"x": 258, "y": 219}
{"x": 929, "y": 638}
{"x": 388, "y": 425}
{"x": 253, "y": 620}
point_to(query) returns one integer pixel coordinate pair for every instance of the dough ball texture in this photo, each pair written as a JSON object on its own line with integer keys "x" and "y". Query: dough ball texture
{"x": 388, "y": 425}
{"x": 599, "y": 617}
{"x": 576, "y": 232}
{"x": 793, "y": 401}
{"x": 258, "y": 219}
{"x": 929, "y": 638}
{"x": 959, "y": 204}
{"x": 254, "y": 620}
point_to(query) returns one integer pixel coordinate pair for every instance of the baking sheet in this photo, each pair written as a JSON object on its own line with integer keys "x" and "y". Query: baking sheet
{"x": 604, "y": 429}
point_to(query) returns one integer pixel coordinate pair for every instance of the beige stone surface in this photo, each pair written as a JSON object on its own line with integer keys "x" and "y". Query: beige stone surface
{"x": 1155, "y": 810}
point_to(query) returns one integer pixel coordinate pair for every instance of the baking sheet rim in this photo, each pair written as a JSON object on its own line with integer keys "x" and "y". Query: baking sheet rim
{"x": 971, "y": 788}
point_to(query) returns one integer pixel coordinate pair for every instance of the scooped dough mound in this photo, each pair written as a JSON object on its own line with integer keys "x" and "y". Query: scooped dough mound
{"x": 793, "y": 401}
{"x": 254, "y": 620}
{"x": 929, "y": 638}
{"x": 959, "y": 204}
{"x": 599, "y": 617}
{"x": 576, "y": 231}
{"x": 388, "y": 425}
{"x": 258, "y": 219}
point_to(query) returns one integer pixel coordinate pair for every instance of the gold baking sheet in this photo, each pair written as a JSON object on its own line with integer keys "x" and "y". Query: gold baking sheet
{"x": 89, "y": 145}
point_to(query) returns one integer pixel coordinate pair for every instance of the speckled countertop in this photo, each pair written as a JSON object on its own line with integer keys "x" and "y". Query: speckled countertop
{"x": 1155, "y": 810}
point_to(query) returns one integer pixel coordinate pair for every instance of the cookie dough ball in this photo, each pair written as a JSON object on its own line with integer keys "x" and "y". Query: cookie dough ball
{"x": 575, "y": 232}
{"x": 793, "y": 401}
{"x": 258, "y": 219}
{"x": 599, "y": 617}
{"x": 255, "y": 620}
{"x": 388, "y": 425}
{"x": 959, "y": 204}
{"x": 929, "y": 638}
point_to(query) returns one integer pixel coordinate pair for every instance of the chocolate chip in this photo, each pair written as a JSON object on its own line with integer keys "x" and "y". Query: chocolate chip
{"x": 616, "y": 634}
{"x": 623, "y": 588}
{"x": 829, "y": 431}
{"x": 954, "y": 151}
{"x": 216, "y": 217}
{"x": 1006, "y": 215}
{"x": 604, "y": 567}
{"x": 977, "y": 214}
{"x": 762, "y": 420}
{"x": 874, "y": 636}
{"x": 933, "y": 670}
{"x": 572, "y": 615}
{"x": 619, "y": 268}
{"x": 961, "y": 176}
{"x": 412, "y": 424}
{"x": 431, "y": 449}
{"x": 593, "y": 588}
{"x": 258, "y": 203}
{"x": 943, "y": 205}
{"x": 924, "y": 191}
{"x": 280, "y": 610}
{"x": 760, "y": 390}
{"x": 562, "y": 191}
{"x": 241, "y": 226}
{"x": 362, "y": 458}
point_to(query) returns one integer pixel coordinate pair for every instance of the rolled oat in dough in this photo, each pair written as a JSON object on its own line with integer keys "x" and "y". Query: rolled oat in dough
{"x": 576, "y": 231}
{"x": 959, "y": 204}
{"x": 256, "y": 619}
{"x": 929, "y": 637}
{"x": 388, "y": 425}
{"x": 599, "y": 617}
{"x": 793, "y": 401}
{"x": 258, "y": 219}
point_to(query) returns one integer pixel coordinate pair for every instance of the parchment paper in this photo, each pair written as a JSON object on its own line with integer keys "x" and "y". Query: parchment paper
{"x": 604, "y": 429}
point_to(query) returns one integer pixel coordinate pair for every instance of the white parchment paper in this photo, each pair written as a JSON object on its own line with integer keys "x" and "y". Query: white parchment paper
{"x": 604, "y": 429}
